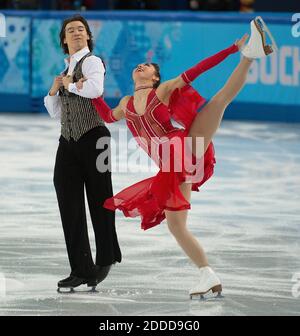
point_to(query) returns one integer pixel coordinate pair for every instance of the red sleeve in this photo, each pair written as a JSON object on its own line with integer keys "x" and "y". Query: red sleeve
{"x": 208, "y": 63}
{"x": 105, "y": 112}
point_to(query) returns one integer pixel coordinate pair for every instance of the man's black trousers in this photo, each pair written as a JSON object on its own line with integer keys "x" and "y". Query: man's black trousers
{"x": 75, "y": 171}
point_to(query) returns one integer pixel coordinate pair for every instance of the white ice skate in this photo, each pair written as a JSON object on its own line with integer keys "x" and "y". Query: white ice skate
{"x": 208, "y": 282}
{"x": 257, "y": 46}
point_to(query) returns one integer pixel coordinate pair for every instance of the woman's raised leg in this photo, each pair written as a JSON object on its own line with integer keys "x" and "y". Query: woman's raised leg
{"x": 208, "y": 120}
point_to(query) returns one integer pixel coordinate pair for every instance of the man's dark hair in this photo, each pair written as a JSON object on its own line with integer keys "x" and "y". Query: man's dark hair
{"x": 62, "y": 33}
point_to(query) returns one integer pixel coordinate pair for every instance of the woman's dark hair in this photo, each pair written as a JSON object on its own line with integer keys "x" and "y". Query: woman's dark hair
{"x": 157, "y": 73}
{"x": 62, "y": 33}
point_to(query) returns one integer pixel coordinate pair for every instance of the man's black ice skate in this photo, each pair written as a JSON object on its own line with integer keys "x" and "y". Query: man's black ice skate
{"x": 102, "y": 272}
{"x": 67, "y": 285}
{"x": 63, "y": 281}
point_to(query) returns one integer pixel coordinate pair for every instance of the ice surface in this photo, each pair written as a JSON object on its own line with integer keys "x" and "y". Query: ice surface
{"x": 247, "y": 217}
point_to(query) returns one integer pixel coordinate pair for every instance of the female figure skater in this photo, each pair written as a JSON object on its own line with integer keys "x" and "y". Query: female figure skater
{"x": 148, "y": 112}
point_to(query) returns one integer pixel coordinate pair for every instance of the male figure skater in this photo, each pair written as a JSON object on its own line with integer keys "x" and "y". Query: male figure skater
{"x": 75, "y": 166}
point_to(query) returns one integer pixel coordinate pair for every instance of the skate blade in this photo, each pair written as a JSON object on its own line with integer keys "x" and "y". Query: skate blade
{"x": 207, "y": 296}
{"x": 213, "y": 293}
{"x": 263, "y": 28}
{"x": 64, "y": 290}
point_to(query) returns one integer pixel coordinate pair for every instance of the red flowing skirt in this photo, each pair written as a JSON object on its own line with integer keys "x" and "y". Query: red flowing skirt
{"x": 150, "y": 198}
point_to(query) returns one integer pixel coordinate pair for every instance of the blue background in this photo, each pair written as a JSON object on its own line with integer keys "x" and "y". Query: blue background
{"x": 31, "y": 56}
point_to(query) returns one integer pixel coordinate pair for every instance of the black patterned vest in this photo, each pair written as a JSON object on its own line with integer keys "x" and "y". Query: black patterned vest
{"x": 78, "y": 114}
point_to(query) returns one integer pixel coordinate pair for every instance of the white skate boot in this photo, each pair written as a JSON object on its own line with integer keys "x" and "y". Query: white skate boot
{"x": 257, "y": 46}
{"x": 208, "y": 281}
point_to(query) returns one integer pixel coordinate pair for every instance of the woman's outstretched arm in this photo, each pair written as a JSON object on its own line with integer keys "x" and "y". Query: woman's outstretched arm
{"x": 110, "y": 115}
{"x": 165, "y": 90}
{"x": 106, "y": 113}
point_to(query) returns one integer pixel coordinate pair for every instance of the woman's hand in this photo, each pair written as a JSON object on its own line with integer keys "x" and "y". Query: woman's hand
{"x": 67, "y": 80}
{"x": 79, "y": 84}
{"x": 241, "y": 42}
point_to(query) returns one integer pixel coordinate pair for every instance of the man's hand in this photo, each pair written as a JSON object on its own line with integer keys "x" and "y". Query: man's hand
{"x": 66, "y": 81}
{"x": 57, "y": 83}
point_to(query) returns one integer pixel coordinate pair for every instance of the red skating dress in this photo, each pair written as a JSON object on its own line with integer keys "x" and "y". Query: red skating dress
{"x": 150, "y": 198}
